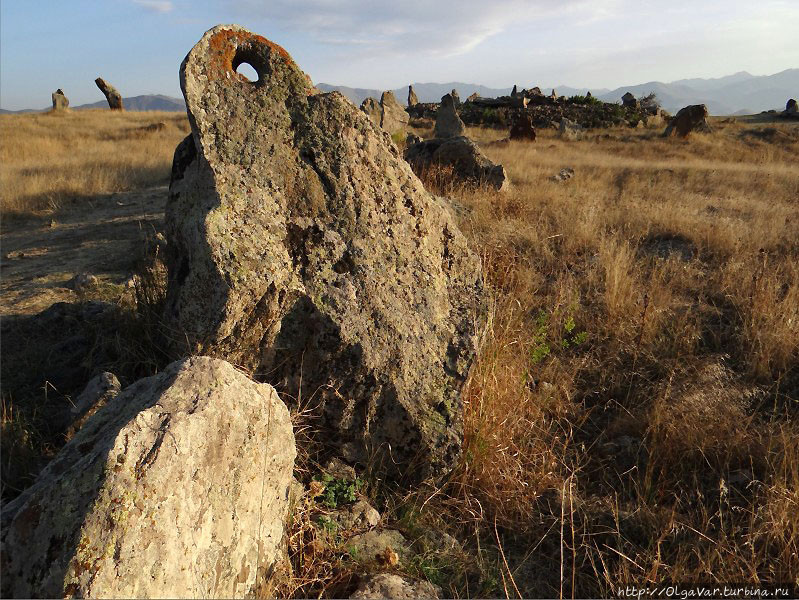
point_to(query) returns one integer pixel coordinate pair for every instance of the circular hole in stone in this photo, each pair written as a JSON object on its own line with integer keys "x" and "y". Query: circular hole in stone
{"x": 248, "y": 71}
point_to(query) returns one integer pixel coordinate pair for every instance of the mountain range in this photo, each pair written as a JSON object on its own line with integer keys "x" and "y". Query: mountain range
{"x": 740, "y": 93}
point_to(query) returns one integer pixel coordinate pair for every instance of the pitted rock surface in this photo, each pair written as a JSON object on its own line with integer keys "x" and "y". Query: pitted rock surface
{"x": 395, "y": 587}
{"x": 448, "y": 123}
{"x": 687, "y": 120}
{"x": 177, "y": 488}
{"x": 60, "y": 101}
{"x": 111, "y": 94}
{"x": 302, "y": 246}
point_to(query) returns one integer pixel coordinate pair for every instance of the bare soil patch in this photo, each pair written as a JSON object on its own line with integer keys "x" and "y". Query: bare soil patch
{"x": 102, "y": 236}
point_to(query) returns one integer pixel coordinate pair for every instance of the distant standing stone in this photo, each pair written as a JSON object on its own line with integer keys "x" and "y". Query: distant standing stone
{"x": 513, "y": 92}
{"x": 448, "y": 123}
{"x": 111, "y": 94}
{"x": 412, "y": 99}
{"x": 372, "y": 109}
{"x": 394, "y": 118}
{"x": 629, "y": 101}
{"x": 522, "y": 128}
{"x": 455, "y": 97}
{"x": 688, "y": 119}
{"x": 791, "y": 110}
{"x": 60, "y": 101}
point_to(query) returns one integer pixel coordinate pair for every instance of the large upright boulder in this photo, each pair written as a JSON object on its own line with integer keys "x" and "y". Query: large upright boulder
{"x": 448, "y": 123}
{"x": 60, "y": 101}
{"x": 113, "y": 97}
{"x": 177, "y": 488}
{"x": 687, "y": 120}
{"x": 413, "y": 100}
{"x": 302, "y": 246}
{"x": 394, "y": 118}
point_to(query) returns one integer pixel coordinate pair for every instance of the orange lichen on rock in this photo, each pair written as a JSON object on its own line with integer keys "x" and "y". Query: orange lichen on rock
{"x": 226, "y": 43}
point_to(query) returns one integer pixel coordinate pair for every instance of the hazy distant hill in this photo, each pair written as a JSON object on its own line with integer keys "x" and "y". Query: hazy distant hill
{"x": 723, "y": 96}
{"x": 147, "y": 102}
{"x": 134, "y": 103}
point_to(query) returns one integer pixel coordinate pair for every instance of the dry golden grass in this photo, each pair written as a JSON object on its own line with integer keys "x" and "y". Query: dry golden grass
{"x": 53, "y": 159}
{"x": 661, "y": 444}
{"x": 631, "y": 417}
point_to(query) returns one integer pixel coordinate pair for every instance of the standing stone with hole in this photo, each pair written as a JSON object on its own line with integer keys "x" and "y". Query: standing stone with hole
{"x": 302, "y": 247}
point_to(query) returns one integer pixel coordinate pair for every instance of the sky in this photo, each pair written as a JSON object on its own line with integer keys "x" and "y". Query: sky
{"x": 138, "y": 45}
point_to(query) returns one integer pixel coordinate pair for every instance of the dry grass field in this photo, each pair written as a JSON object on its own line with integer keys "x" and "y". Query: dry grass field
{"x": 52, "y": 159}
{"x": 633, "y": 414}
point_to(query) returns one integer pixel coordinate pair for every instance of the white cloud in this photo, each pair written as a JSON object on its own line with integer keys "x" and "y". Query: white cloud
{"x": 601, "y": 43}
{"x": 433, "y": 27}
{"x": 160, "y": 6}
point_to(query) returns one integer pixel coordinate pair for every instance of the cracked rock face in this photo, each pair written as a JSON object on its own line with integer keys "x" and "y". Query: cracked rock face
{"x": 302, "y": 246}
{"x": 178, "y": 487}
